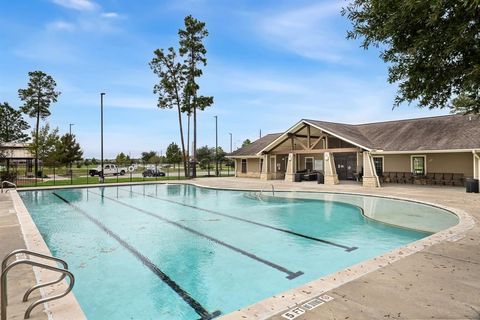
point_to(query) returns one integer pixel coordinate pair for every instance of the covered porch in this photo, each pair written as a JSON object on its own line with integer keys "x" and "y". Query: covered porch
{"x": 309, "y": 150}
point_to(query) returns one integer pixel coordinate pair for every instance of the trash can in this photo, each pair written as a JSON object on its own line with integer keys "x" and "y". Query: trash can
{"x": 298, "y": 177}
{"x": 320, "y": 178}
{"x": 472, "y": 185}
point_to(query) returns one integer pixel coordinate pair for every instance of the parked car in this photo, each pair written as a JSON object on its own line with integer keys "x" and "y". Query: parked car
{"x": 153, "y": 173}
{"x": 108, "y": 169}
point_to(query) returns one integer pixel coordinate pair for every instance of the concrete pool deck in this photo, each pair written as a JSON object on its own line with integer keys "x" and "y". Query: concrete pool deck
{"x": 441, "y": 281}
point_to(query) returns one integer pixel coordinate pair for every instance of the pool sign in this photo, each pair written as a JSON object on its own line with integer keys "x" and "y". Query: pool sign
{"x": 292, "y": 314}
{"x": 312, "y": 304}
{"x": 326, "y": 298}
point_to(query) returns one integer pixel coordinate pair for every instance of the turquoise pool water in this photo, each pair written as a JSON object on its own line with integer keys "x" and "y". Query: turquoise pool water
{"x": 183, "y": 252}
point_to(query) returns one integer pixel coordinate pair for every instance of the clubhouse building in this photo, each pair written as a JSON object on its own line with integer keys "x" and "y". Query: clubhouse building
{"x": 442, "y": 150}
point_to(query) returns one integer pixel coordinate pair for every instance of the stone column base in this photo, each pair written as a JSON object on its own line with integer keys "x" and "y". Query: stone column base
{"x": 331, "y": 179}
{"x": 290, "y": 177}
{"x": 267, "y": 176}
{"x": 370, "y": 182}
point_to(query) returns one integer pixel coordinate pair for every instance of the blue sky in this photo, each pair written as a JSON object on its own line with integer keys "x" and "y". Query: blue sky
{"x": 270, "y": 63}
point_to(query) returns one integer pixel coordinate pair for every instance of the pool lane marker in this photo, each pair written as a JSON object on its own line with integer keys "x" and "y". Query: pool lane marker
{"x": 199, "y": 309}
{"x": 290, "y": 274}
{"x": 347, "y": 248}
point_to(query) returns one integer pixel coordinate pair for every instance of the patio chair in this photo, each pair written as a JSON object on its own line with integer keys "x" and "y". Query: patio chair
{"x": 429, "y": 178}
{"x": 386, "y": 177}
{"x": 448, "y": 179}
{"x": 407, "y": 177}
{"x": 458, "y": 179}
{"x": 438, "y": 178}
{"x": 400, "y": 177}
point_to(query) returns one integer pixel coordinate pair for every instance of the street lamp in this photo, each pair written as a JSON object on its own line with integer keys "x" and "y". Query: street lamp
{"x": 101, "y": 136}
{"x": 229, "y": 161}
{"x": 216, "y": 146}
{"x": 71, "y": 172}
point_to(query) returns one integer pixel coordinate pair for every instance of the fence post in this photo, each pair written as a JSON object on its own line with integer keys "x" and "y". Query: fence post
{"x": 71, "y": 174}
{"x": 87, "y": 174}
{"x": 156, "y": 170}
{"x": 117, "y": 172}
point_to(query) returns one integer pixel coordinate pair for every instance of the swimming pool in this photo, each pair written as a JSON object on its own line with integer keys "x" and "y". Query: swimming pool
{"x": 184, "y": 252}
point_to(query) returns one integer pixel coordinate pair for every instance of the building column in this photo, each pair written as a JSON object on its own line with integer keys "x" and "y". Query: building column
{"x": 291, "y": 168}
{"x": 235, "y": 167}
{"x": 264, "y": 175}
{"x": 370, "y": 178}
{"x": 331, "y": 176}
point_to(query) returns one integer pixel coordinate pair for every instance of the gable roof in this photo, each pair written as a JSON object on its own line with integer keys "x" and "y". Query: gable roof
{"x": 450, "y": 132}
{"x": 256, "y": 146}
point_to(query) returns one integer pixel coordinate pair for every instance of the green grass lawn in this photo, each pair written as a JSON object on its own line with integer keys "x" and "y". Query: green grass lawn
{"x": 95, "y": 180}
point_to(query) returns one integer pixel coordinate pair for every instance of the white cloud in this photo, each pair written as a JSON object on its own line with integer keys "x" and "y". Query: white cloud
{"x": 110, "y": 15}
{"x": 80, "y": 5}
{"x": 307, "y": 31}
{"x": 61, "y": 25}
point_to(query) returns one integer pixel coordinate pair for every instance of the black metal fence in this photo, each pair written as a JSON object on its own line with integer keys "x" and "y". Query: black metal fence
{"x": 23, "y": 176}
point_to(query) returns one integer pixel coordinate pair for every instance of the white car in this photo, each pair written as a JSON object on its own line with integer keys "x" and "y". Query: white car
{"x": 109, "y": 169}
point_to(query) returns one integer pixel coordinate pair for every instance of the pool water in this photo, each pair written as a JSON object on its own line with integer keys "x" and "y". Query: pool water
{"x": 184, "y": 252}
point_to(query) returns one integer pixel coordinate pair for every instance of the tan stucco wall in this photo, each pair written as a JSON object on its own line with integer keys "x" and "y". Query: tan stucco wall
{"x": 451, "y": 163}
{"x": 436, "y": 163}
{"x": 253, "y": 168}
{"x": 396, "y": 163}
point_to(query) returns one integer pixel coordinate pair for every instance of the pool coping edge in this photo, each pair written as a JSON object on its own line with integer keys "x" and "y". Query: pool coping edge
{"x": 294, "y": 297}
{"x": 66, "y": 307}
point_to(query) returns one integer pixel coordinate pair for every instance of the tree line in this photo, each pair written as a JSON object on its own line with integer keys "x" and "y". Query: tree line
{"x": 44, "y": 144}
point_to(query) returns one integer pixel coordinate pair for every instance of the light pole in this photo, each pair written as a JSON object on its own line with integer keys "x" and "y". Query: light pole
{"x": 229, "y": 161}
{"x": 71, "y": 172}
{"x": 101, "y": 136}
{"x": 216, "y": 146}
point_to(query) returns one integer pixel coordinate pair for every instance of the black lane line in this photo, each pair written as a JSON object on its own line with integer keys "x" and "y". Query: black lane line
{"x": 290, "y": 274}
{"x": 199, "y": 309}
{"x": 347, "y": 249}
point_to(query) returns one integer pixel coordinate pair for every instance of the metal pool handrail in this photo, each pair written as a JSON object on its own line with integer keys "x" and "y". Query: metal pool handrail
{"x": 273, "y": 190}
{"x": 6, "y": 267}
{"x": 9, "y": 183}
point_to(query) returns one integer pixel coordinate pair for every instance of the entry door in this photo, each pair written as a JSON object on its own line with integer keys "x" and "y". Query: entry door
{"x": 346, "y": 165}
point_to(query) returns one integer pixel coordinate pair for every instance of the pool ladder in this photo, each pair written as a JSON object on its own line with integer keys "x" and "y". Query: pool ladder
{"x": 7, "y": 267}
{"x": 9, "y": 184}
{"x": 273, "y": 191}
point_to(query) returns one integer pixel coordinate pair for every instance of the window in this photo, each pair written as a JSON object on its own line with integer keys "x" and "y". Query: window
{"x": 309, "y": 163}
{"x": 244, "y": 165}
{"x": 378, "y": 162}
{"x": 273, "y": 162}
{"x": 419, "y": 165}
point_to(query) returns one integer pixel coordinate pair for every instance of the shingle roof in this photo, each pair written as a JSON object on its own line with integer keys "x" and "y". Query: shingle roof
{"x": 256, "y": 146}
{"x": 433, "y": 133}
